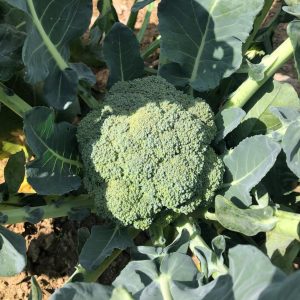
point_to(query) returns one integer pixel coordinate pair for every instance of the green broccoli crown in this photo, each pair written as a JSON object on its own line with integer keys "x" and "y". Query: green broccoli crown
{"x": 147, "y": 150}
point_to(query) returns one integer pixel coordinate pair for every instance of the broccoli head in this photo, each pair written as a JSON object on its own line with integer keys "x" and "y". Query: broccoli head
{"x": 147, "y": 150}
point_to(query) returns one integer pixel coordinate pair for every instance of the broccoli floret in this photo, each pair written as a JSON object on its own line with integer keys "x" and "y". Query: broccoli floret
{"x": 147, "y": 150}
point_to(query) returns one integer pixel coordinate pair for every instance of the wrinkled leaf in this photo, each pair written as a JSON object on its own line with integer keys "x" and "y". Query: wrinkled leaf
{"x": 14, "y": 171}
{"x": 84, "y": 73}
{"x": 246, "y": 165}
{"x": 122, "y": 54}
{"x": 246, "y": 221}
{"x": 12, "y": 252}
{"x": 203, "y": 39}
{"x": 56, "y": 165}
{"x": 101, "y": 243}
{"x": 82, "y": 290}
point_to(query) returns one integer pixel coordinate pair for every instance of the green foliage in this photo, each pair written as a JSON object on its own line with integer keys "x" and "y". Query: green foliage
{"x": 147, "y": 150}
{"x": 119, "y": 42}
{"x": 203, "y": 39}
{"x": 152, "y": 156}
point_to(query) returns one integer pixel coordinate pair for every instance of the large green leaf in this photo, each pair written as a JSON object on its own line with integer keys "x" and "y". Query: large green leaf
{"x": 56, "y": 166}
{"x": 203, "y": 39}
{"x": 12, "y": 252}
{"x": 51, "y": 27}
{"x": 246, "y": 221}
{"x": 259, "y": 118}
{"x": 11, "y": 42}
{"x": 247, "y": 164}
{"x": 122, "y": 54}
{"x": 101, "y": 243}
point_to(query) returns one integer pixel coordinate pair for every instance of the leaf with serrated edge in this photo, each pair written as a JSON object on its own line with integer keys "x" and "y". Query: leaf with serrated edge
{"x": 203, "y": 39}
{"x": 247, "y": 164}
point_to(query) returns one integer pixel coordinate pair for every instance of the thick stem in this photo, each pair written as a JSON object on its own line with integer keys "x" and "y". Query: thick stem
{"x": 132, "y": 18}
{"x": 196, "y": 241}
{"x": 13, "y": 101}
{"x": 142, "y": 31}
{"x": 278, "y": 58}
{"x": 165, "y": 287}
{"x": 87, "y": 97}
{"x": 151, "y": 48}
{"x": 13, "y": 212}
{"x": 257, "y": 24}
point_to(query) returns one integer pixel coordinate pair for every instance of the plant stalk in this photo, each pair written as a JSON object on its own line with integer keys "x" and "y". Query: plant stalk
{"x": 83, "y": 275}
{"x": 132, "y": 18}
{"x": 142, "y": 31}
{"x": 15, "y": 210}
{"x": 151, "y": 48}
{"x": 277, "y": 59}
{"x": 13, "y": 101}
{"x": 165, "y": 287}
{"x": 288, "y": 223}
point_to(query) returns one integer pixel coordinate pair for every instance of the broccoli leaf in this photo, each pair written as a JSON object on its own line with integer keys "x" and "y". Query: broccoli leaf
{"x": 11, "y": 42}
{"x": 140, "y": 4}
{"x": 291, "y": 146}
{"x": 101, "y": 243}
{"x": 259, "y": 118}
{"x": 14, "y": 171}
{"x": 203, "y": 39}
{"x": 246, "y": 165}
{"x": 246, "y": 221}
{"x": 228, "y": 120}
{"x": 122, "y": 55}
{"x": 83, "y": 290}
{"x": 293, "y": 31}
{"x": 12, "y": 252}
{"x": 36, "y": 292}
{"x": 51, "y": 26}
{"x": 56, "y": 166}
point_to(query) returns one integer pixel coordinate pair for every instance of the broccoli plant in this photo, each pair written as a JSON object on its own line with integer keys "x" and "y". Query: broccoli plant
{"x": 200, "y": 154}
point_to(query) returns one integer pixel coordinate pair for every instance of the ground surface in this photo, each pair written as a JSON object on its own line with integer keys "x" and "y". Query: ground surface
{"x": 51, "y": 243}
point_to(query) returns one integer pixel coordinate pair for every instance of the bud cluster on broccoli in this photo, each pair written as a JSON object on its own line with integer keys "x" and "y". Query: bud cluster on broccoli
{"x": 147, "y": 150}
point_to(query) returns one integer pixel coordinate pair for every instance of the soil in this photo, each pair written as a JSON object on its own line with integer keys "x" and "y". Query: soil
{"x": 52, "y": 243}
